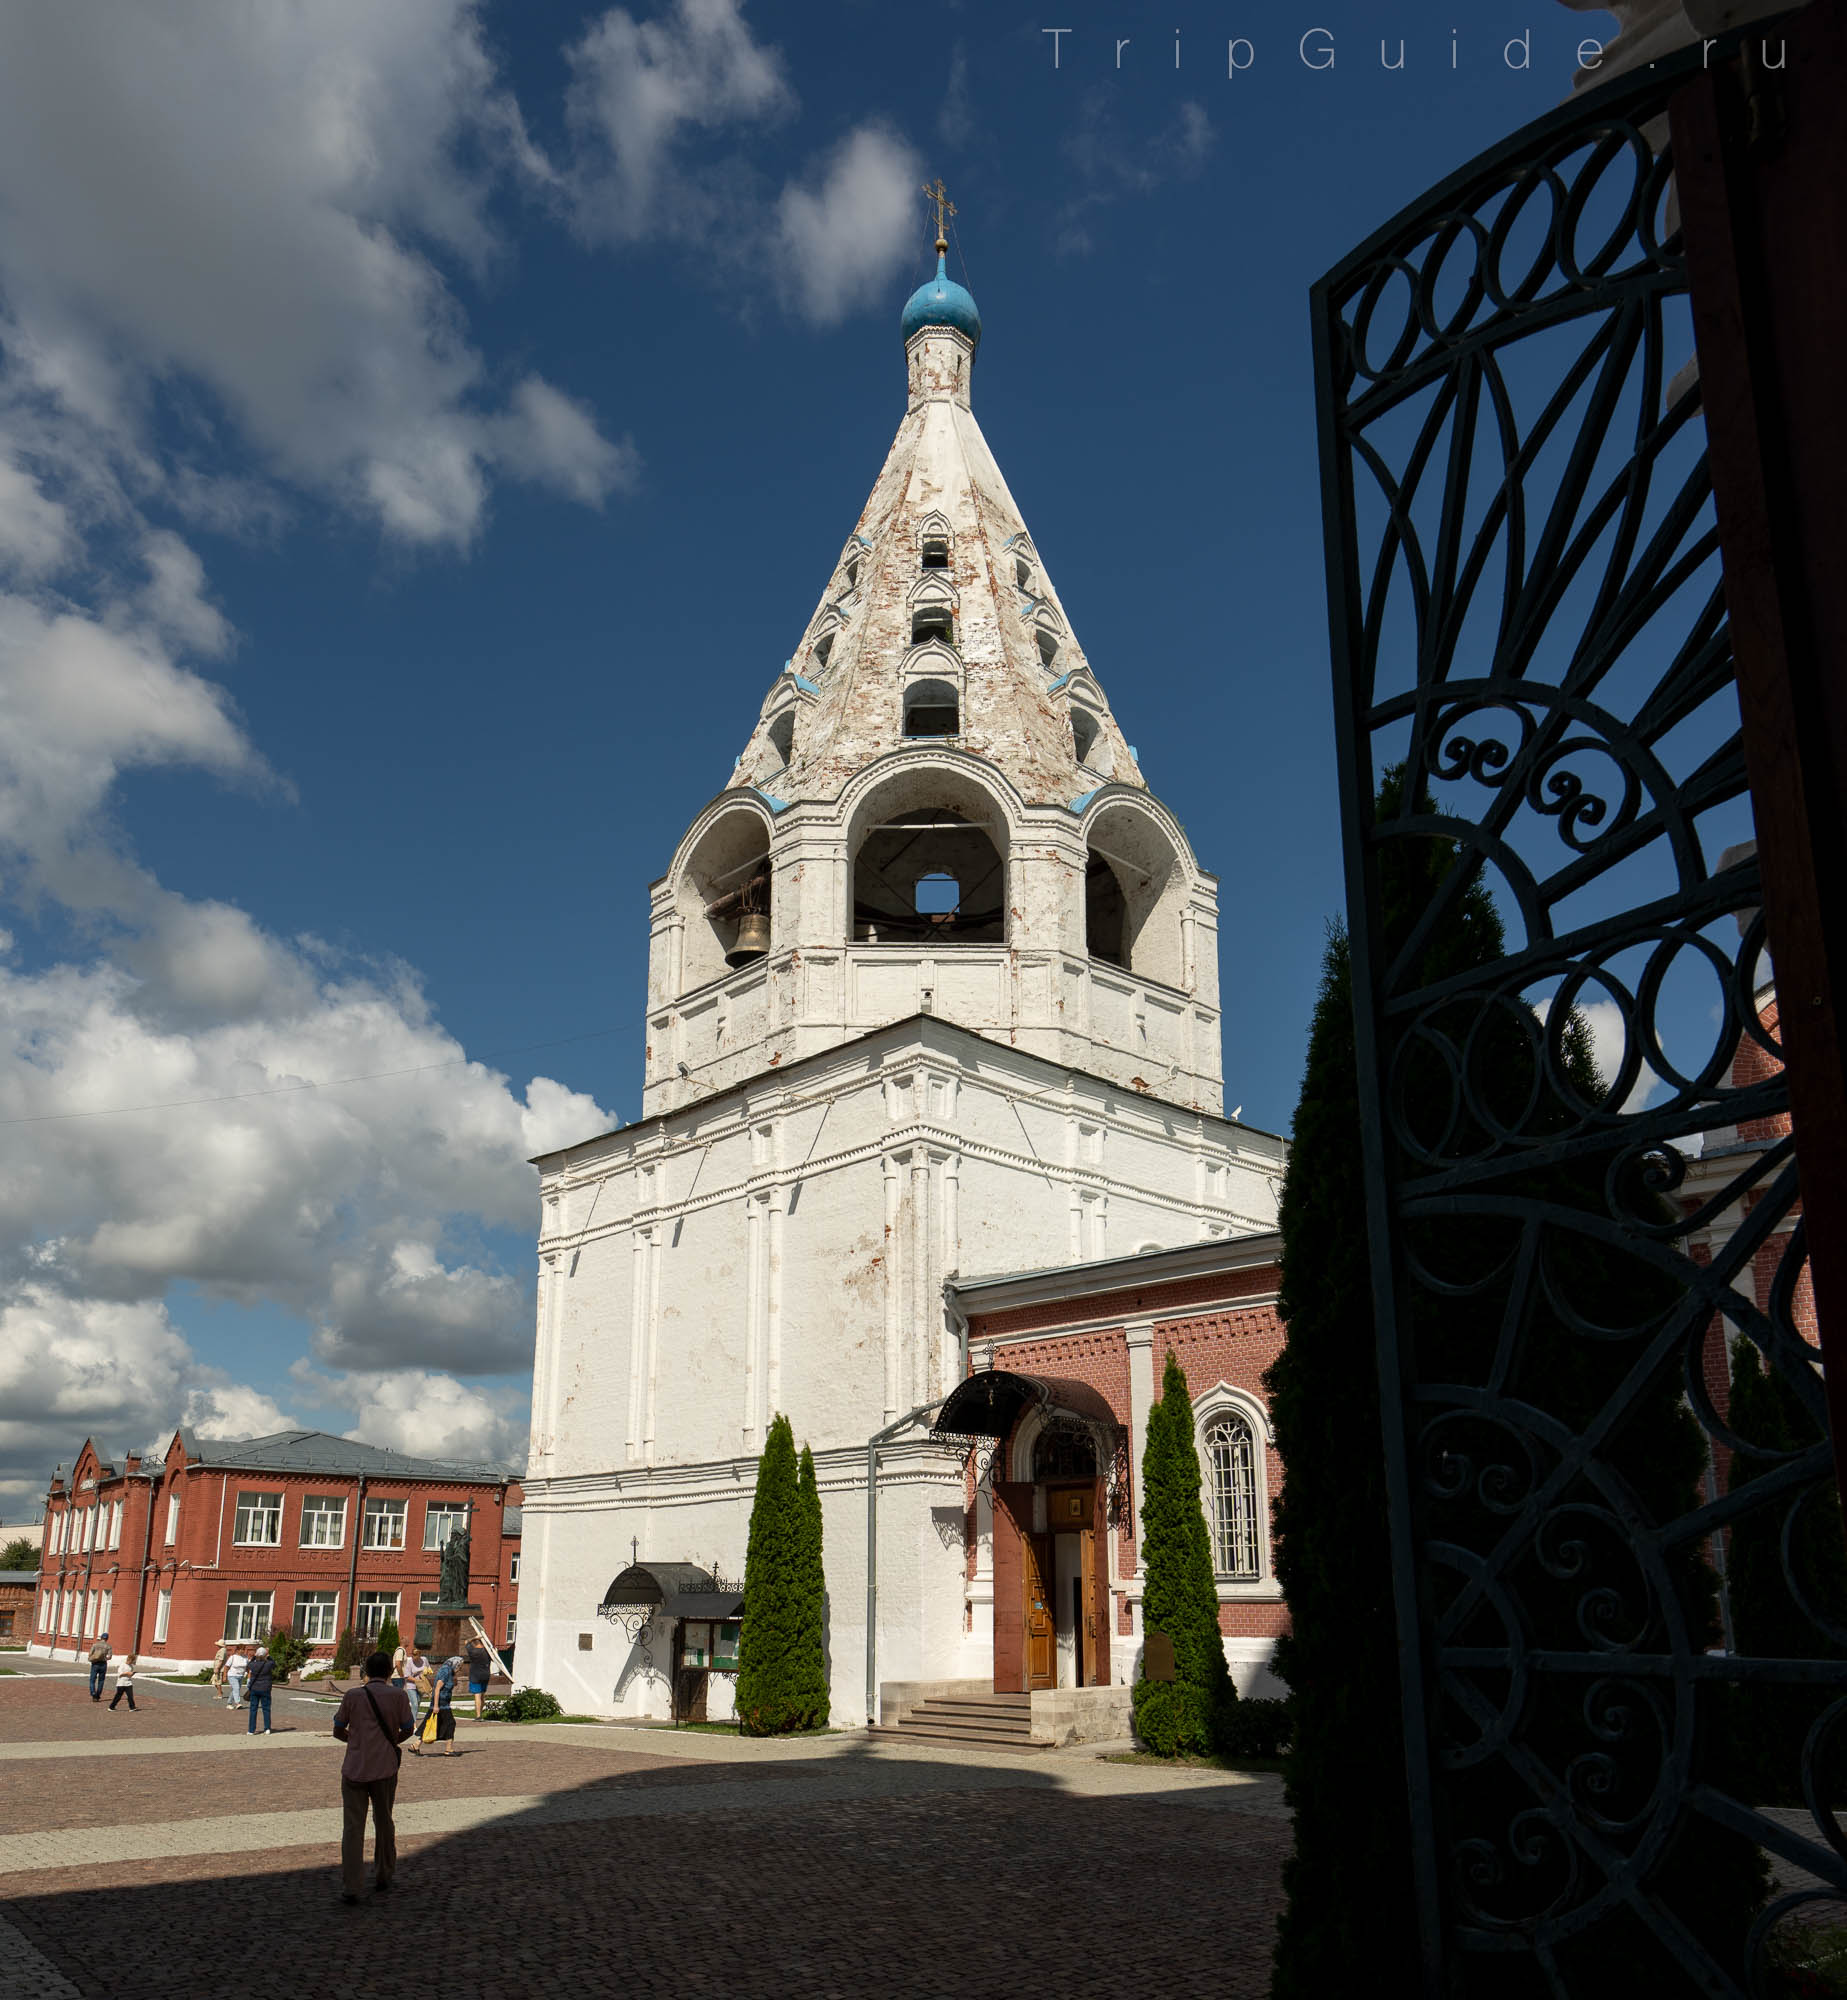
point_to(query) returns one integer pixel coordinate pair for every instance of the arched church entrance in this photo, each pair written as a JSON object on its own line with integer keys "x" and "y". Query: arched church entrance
{"x": 1053, "y": 1443}
{"x": 1059, "y": 1598}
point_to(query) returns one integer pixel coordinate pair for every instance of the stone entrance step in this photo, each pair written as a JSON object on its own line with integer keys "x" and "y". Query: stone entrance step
{"x": 985, "y": 1722}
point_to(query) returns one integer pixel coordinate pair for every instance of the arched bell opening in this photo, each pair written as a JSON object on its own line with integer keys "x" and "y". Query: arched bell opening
{"x": 1134, "y": 890}
{"x": 932, "y": 708}
{"x": 724, "y": 898}
{"x": 929, "y": 874}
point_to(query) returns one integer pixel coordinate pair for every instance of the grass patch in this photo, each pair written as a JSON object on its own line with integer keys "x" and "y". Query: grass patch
{"x": 203, "y": 1678}
{"x": 1197, "y": 1760}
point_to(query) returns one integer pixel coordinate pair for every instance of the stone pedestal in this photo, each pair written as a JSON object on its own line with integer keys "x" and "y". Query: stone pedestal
{"x": 445, "y": 1630}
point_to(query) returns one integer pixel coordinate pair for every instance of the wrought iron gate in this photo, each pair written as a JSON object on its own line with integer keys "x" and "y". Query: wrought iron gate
{"x": 1535, "y": 694}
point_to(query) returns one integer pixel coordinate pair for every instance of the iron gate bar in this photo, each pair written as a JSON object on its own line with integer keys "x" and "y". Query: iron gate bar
{"x": 1545, "y": 1477}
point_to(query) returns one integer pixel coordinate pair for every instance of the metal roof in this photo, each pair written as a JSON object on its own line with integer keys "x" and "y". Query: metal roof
{"x": 692, "y": 1591}
{"x": 18, "y": 1576}
{"x": 510, "y": 1520}
{"x": 320, "y": 1451}
{"x": 986, "y": 1405}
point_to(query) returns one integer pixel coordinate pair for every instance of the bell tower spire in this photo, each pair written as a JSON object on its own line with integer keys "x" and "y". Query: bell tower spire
{"x": 937, "y": 810}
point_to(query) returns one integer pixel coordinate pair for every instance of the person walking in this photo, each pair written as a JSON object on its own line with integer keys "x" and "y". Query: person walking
{"x": 234, "y": 1670}
{"x": 99, "y": 1665}
{"x": 445, "y": 1694}
{"x": 420, "y": 1686}
{"x": 398, "y": 1659}
{"x": 124, "y": 1682}
{"x": 262, "y": 1679}
{"x": 480, "y": 1665}
{"x": 372, "y": 1720}
{"x": 218, "y": 1653}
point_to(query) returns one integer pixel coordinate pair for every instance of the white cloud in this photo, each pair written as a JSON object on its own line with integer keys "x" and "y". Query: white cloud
{"x": 250, "y": 202}
{"x": 230, "y": 1410}
{"x": 549, "y": 439}
{"x": 35, "y": 530}
{"x": 654, "y": 112}
{"x": 638, "y": 89}
{"x": 434, "y": 1415}
{"x": 844, "y": 234}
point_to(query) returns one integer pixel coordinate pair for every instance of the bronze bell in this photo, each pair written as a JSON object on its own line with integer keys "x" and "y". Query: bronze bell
{"x": 753, "y": 939}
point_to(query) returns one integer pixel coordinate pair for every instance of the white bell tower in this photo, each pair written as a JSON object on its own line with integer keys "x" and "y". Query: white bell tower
{"x": 933, "y": 992}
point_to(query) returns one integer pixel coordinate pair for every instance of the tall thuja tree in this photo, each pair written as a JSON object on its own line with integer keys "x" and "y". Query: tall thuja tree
{"x": 1349, "y": 1919}
{"x": 772, "y": 1683}
{"x": 1349, "y": 1912}
{"x": 1188, "y": 1712}
{"x": 814, "y": 1693}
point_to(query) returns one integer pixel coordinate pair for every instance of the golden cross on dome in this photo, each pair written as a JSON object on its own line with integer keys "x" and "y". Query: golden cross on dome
{"x": 937, "y": 196}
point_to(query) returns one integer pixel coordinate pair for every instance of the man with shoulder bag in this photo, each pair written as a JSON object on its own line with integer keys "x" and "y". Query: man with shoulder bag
{"x": 372, "y": 1721}
{"x": 99, "y": 1665}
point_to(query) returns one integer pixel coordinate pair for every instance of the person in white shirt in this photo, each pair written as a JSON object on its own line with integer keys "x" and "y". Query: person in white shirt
{"x": 234, "y": 1670}
{"x": 124, "y": 1682}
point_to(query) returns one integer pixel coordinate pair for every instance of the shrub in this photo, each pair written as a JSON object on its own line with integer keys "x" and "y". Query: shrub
{"x": 1182, "y": 1591}
{"x": 286, "y": 1652}
{"x": 344, "y": 1651}
{"x": 389, "y": 1639}
{"x": 1257, "y": 1727}
{"x": 529, "y": 1705}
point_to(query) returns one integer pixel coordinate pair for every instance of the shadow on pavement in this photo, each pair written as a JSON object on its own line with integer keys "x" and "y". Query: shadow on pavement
{"x": 850, "y": 1874}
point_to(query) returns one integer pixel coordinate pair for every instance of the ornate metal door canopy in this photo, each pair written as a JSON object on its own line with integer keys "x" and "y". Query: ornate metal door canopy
{"x": 1530, "y": 634}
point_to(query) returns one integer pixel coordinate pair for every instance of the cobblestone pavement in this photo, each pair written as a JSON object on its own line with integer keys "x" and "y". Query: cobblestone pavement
{"x": 588, "y": 1861}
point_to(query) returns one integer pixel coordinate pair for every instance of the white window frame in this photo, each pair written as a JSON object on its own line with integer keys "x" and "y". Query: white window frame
{"x": 47, "y": 1610}
{"x": 1226, "y": 1399}
{"x": 385, "y": 1603}
{"x": 380, "y": 1511}
{"x": 252, "y": 1512}
{"x": 105, "y": 1610}
{"x": 173, "y": 1519}
{"x": 92, "y": 1604}
{"x": 115, "y": 1524}
{"x": 163, "y": 1615}
{"x": 242, "y": 1601}
{"x": 450, "y": 1513}
{"x": 512, "y": 1628}
{"x": 322, "y": 1609}
{"x": 89, "y": 1529}
{"x": 513, "y": 1567}
{"x": 316, "y": 1507}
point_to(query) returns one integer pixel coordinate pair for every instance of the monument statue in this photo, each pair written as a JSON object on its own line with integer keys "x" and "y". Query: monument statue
{"x": 453, "y": 1586}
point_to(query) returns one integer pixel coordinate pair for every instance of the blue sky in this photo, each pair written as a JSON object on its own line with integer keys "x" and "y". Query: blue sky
{"x": 424, "y": 433}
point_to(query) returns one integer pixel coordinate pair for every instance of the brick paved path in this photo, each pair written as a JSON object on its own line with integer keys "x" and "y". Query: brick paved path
{"x": 569, "y": 1862}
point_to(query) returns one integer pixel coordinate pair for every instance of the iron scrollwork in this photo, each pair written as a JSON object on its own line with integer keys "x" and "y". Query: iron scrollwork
{"x": 1529, "y": 629}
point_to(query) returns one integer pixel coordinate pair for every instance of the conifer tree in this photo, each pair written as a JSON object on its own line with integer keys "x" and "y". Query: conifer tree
{"x": 816, "y": 1696}
{"x": 770, "y": 1686}
{"x": 1187, "y": 1713}
{"x": 1348, "y": 1879}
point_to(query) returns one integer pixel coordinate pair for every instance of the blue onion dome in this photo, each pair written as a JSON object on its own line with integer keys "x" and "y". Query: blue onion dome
{"x": 940, "y": 301}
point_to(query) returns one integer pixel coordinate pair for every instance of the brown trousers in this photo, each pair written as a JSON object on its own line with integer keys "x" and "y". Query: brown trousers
{"x": 380, "y": 1794}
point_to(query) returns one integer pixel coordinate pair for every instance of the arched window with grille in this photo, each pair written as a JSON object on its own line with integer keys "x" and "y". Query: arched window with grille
{"x": 1231, "y": 1458}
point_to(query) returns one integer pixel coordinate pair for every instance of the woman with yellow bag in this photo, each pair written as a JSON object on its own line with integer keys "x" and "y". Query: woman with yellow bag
{"x": 420, "y": 1684}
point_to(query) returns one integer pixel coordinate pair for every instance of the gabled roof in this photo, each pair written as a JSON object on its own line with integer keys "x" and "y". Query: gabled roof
{"x": 320, "y": 1451}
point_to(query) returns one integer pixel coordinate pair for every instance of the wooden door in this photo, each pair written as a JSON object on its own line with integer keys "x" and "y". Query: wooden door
{"x": 1089, "y": 1638}
{"x": 1036, "y": 1571}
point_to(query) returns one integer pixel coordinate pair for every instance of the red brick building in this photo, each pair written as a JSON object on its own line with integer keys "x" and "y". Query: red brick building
{"x": 1054, "y": 1529}
{"x": 18, "y": 1590}
{"x": 228, "y": 1539}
